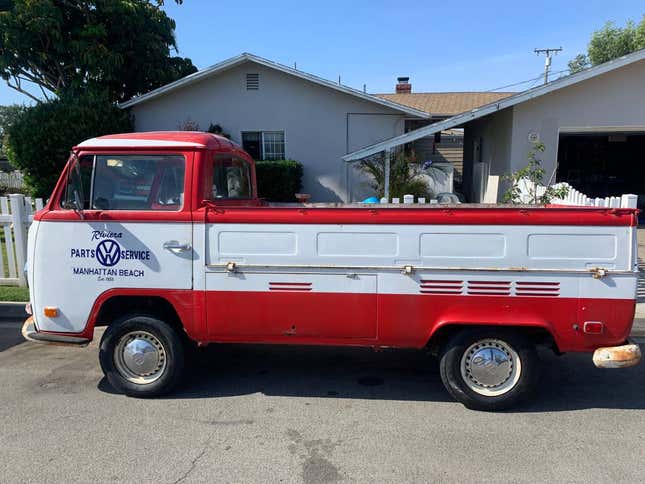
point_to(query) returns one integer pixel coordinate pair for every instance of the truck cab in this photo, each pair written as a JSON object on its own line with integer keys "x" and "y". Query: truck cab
{"x": 162, "y": 238}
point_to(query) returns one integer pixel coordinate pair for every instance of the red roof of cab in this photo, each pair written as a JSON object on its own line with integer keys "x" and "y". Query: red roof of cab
{"x": 160, "y": 139}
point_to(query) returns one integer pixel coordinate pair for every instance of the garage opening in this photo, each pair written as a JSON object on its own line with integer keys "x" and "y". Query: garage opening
{"x": 603, "y": 164}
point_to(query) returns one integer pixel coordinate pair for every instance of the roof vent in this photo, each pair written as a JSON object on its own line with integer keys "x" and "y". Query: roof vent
{"x": 403, "y": 85}
{"x": 252, "y": 82}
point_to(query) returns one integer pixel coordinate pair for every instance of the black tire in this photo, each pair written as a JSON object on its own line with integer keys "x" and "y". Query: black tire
{"x": 516, "y": 389}
{"x": 160, "y": 333}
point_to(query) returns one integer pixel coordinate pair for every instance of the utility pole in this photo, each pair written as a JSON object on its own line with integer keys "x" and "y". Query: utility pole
{"x": 547, "y": 61}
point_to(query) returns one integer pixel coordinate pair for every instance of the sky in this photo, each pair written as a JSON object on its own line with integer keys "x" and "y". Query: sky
{"x": 442, "y": 46}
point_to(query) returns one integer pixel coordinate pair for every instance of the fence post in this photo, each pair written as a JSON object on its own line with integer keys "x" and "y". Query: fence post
{"x": 17, "y": 203}
{"x": 8, "y": 238}
{"x": 629, "y": 201}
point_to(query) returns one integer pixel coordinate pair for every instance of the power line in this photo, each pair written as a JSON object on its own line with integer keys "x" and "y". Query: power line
{"x": 547, "y": 61}
{"x": 514, "y": 84}
{"x": 533, "y": 79}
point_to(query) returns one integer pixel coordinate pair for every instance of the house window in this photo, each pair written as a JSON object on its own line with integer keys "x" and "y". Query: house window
{"x": 252, "y": 82}
{"x": 264, "y": 145}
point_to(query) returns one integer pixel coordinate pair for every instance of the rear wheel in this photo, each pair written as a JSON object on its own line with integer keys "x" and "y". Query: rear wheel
{"x": 488, "y": 369}
{"x": 141, "y": 356}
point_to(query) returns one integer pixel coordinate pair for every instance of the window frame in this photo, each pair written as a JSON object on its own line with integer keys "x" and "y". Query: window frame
{"x": 187, "y": 192}
{"x": 262, "y": 143}
{"x": 74, "y": 169}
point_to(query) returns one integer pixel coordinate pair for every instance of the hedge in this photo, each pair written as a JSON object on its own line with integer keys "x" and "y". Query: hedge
{"x": 279, "y": 180}
{"x": 39, "y": 140}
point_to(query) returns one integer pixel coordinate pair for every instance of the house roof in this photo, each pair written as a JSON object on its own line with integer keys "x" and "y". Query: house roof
{"x": 445, "y": 103}
{"x": 159, "y": 139}
{"x": 495, "y": 106}
{"x": 246, "y": 57}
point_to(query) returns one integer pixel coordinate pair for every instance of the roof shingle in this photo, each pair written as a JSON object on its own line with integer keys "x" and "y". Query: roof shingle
{"x": 445, "y": 103}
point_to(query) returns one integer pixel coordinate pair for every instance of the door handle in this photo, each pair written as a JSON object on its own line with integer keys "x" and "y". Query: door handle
{"x": 175, "y": 245}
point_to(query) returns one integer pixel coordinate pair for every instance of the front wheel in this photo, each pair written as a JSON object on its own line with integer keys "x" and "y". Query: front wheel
{"x": 487, "y": 369}
{"x": 141, "y": 356}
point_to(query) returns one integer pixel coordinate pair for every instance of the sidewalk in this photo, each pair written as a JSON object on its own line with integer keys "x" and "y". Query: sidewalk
{"x": 639, "y": 317}
{"x": 638, "y": 330}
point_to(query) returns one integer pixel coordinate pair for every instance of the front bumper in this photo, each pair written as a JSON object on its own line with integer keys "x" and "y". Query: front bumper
{"x": 31, "y": 333}
{"x": 617, "y": 356}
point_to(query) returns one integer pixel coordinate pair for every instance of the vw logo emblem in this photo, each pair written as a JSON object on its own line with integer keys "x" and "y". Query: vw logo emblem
{"x": 108, "y": 253}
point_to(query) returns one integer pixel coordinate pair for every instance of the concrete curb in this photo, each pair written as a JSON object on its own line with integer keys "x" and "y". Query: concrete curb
{"x": 13, "y": 311}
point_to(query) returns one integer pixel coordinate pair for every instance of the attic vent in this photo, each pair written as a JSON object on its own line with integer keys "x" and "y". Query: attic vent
{"x": 252, "y": 82}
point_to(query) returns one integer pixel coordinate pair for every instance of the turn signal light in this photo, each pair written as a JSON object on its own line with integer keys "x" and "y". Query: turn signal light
{"x": 51, "y": 312}
{"x": 593, "y": 327}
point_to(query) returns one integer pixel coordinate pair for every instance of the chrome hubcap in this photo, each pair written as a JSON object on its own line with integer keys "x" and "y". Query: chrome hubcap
{"x": 140, "y": 357}
{"x": 490, "y": 367}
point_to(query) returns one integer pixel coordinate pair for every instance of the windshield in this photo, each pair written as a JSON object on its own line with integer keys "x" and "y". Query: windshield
{"x": 125, "y": 182}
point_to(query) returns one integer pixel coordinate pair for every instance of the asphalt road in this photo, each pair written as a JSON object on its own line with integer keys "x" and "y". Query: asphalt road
{"x": 276, "y": 414}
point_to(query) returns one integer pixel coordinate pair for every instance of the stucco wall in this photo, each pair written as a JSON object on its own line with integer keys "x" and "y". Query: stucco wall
{"x": 612, "y": 100}
{"x": 320, "y": 124}
{"x": 494, "y": 133}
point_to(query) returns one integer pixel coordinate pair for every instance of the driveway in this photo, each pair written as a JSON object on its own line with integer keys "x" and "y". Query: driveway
{"x": 276, "y": 414}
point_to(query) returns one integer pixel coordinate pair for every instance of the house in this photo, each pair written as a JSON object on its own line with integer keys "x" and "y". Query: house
{"x": 278, "y": 112}
{"x": 592, "y": 126}
{"x": 275, "y": 111}
{"x": 445, "y": 146}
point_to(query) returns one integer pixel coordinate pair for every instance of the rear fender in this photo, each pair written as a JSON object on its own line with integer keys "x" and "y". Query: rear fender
{"x": 446, "y": 325}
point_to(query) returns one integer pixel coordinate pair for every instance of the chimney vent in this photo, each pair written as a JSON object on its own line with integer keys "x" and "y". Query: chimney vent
{"x": 403, "y": 85}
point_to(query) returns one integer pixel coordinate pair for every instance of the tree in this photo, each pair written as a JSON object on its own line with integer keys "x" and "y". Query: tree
{"x": 39, "y": 140}
{"x": 578, "y": 63}
{"x": 8, "y": 115}
{"x": 68, "y": 47}
{"x": 609, "y": 43}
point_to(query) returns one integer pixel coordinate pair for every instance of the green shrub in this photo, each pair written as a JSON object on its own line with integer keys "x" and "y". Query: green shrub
{"x": 279, "y": 180}
{"x": 404, "y": 176}
{"x": 5, "y": 190}
{"x": 39, "y": 140}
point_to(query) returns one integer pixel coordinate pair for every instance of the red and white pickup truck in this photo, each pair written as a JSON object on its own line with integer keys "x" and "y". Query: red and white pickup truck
{"x": 161, "y": 237}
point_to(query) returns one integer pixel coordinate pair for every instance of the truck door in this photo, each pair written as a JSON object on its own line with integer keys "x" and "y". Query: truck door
{"x": 122, "y": 225}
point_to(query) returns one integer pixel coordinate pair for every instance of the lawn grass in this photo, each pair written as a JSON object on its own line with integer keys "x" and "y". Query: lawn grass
{"x": 12, "y": 293}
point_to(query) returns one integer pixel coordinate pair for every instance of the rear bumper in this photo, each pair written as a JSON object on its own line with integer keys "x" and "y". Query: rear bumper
{"x": 31, "y": 333}
{"x": 617, "y": 356}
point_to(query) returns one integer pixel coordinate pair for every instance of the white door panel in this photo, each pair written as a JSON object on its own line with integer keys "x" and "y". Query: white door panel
{"x": 77, "y": 261}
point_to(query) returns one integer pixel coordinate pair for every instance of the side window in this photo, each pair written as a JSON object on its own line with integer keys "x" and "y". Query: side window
{"x": 79, "y": 179}
{"x": 138, "y": 182}
{"x": 231, "y": 178}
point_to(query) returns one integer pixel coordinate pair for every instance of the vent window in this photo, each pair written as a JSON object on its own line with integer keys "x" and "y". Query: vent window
{"x": 252, "y": 82}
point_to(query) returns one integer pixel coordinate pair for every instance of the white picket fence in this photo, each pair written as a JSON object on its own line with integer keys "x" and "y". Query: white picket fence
{"x": 16, "y": 214}
{"x": 574, "y": 197}
{"x": 13, "y": 179}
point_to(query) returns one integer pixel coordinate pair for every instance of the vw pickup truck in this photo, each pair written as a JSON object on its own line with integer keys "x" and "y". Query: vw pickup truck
{"x": 161, "y": 237}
